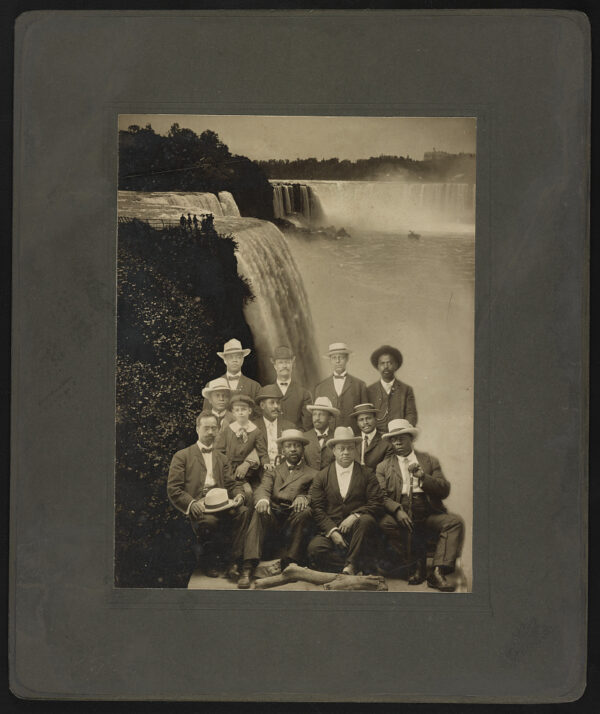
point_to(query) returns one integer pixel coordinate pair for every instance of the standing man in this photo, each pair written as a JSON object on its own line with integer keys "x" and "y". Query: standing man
{"x": 282, "y": 507}
{"x": 216, "y": 395}
{"x": 233, "y": 355}
{"x": 343, "y": 390}
{"x": 346, "y": 502}
{"x": 316, "y": 453}
{"x": 201, "y": 486}
{"x": 271, "y": 423}
{"x": 372, "y": 448}
{"x": 414, "y": 488}
{"x": 294, "y": 397}
{"x": 392, "y": 398}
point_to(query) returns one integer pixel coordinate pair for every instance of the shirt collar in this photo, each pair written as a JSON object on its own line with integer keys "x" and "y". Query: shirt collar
{"x": 234, "y": 376}
{"x": 387, "y": 385}
{"x": 343, "y": 471}
{"x": 322, "y": 433}
{"x": 412, "y": 458}
{"x": 370, "y": 436}
{"x": 235, "y": 427}
{"x": 343, "y": 374}
{"x": 201, "y": 445}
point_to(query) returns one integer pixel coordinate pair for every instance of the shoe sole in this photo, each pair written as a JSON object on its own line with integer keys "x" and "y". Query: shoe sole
{"x": 448, "y": 589}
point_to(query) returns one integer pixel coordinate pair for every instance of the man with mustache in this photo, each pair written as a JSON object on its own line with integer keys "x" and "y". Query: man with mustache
{"x": 342, "y": 389}
{"x": 372, "y": 449}
{"x": 271, "y": 423}
{"x": 392, "y": 398}
{"x": 317, "y": 454}
{"x": 414, "y": 488}
{"x": 294, "y": 397}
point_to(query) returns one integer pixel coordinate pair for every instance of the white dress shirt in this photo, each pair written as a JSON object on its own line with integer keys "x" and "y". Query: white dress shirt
{"x": 272, "y": 447}
{"x": 404, "y": 462}
{"x": 338, "y": 384}
{"x": 209, "y": 481}
{"x": 343, "y": 478}
{"x": 234, "y": 379}
{"x": 283, "y": 386}
{"x": 387, "y": 385}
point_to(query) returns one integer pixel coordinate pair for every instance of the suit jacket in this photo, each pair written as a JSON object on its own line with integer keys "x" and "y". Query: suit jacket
{"x": 281, "y": 486}
{"x": 377, "y": 451}
{"x": 282, "y": 425}
{"x": 234, "y": 451}
{"x": 187, "y": 475}
{"x": 435, "y": 485}
{"x": 353, "y": 393}
{"x": 315, "y": 456}
{"x": 399, "y": 405}
{"x": 329, "y": 508}
{"x": 245, "y": 386}
{"x": 293, "y": 405}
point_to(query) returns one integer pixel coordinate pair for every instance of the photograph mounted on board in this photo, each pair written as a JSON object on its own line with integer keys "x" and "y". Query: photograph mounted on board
{"x": 295, "y": 353}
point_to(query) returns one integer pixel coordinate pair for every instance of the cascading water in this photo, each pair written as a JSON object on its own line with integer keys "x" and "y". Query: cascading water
{"x": 228, "y": 204}
{"x": 169, "y": 205}
{"x": 296, "y": 200}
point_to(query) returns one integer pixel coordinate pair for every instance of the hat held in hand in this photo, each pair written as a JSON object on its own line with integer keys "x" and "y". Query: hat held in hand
{"x": 217, "y": 499}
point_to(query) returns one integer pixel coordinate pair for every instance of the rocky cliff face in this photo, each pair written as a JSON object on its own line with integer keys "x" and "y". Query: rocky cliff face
{"x": 179, "y": 299}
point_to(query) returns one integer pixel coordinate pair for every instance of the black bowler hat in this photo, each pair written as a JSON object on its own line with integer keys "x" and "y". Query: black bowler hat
{"x": 386, "y": 350}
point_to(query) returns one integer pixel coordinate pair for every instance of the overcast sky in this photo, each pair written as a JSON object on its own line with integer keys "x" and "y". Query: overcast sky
{"x": 270, "y": 137}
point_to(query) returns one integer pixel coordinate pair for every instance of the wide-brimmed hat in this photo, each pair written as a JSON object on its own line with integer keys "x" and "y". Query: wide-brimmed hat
{"x": 233, "y": 346}
{"x": 216, "y": 385}
{"x": 270, "y": 391}
{"x": 338, "y": 347}
{"x": 323, "y": 404}
{"x": 386, "y": 350}
{"x": 237, "y": 397}
{"x": 366, "y": 408}
{"x": 400, "y": 426}
{"x": 343, "y": 433}
{"x": 292, "y": 435}
{"x": 217, "y": 499}
{"x": 282, "y": 352}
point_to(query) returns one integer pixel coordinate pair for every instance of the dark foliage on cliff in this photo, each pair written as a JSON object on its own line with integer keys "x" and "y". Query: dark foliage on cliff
{"x": 450, "y": 167}
{"x": 179, "y": 299}
{"x": 184, "y": 161}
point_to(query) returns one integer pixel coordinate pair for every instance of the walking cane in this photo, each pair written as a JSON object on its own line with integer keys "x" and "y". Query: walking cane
{"x": 410, "y": 515}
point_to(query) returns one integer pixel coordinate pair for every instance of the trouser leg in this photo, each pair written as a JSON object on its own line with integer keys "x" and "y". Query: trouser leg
{"x": 205, "y": 528}
{"x": 323, "y": 555}
{"x": 361, "y": 547}
{"x": 260, "y": 524}
{"x": 449, "y": 529}
{"x": 298, "y": 528}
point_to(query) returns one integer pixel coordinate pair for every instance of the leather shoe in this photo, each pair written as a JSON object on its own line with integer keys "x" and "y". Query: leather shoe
{"x": 419, "y": 575}
{"x": 244, "y": 580}
{"x": 438, "y": 581}
{"x": 213, "y": 572}
{"x": 349, "y": 569}
{"x": 233, "y": 572}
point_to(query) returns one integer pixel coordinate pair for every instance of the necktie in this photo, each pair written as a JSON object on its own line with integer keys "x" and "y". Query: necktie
{"x": 206, "y": 451}
{"x": 364, "y": 450}
{"x": 243, "y": 435}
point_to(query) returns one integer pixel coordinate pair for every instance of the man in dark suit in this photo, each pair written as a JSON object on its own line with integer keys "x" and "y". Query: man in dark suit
{"x": 233, "y": 355}
{"x": 294, "y": 397}
{"x": 282, "y": 507}
{"x": 346, "y": 502}
{"x": 392, "y": 398}
{"x": 220, "y": 528}
{"x": 342, "y": 389}
{"x": 316, "y": 453}
{"x": 414, "y": 488}
{"x": 271, "y": 423}
{"x": 372, "y": 448}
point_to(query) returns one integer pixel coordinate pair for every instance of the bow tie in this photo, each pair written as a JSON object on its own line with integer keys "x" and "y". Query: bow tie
{"x": 206, "y": 451}
{"x": 339, "y": 376}
{"x": 234, "y": 376}
{"x": 283, "y": 384}
{"x": 293, "y": 468}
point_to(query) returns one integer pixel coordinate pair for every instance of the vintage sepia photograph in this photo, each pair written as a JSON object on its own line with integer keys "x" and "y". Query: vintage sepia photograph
{"x": 295, "y": 353}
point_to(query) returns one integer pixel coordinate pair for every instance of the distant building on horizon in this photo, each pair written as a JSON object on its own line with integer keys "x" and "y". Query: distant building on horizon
{"x": 435, "y": 155}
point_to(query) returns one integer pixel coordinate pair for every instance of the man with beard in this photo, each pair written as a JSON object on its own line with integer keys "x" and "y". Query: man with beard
{"x": 317, "y": 454}
{"x": 372, "y": 448}
{"x": 294, "y": 397}
{"x": 282, "y": 507}
{"x": 392, "y": 398}
{"x": 346, "y": 502}
{"x": 414, "y": 488}
{"x": 201, "y": 486}
{"x": 271, "y": 423}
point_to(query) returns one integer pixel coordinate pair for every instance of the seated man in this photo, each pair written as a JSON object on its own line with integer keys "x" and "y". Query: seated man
{"x": 271, "y": 423}
{"x": 197, "y": 474}
{"x": 343, "y": 390}
{"x": 346, "y": 503}
{"x": 392, "y": 398}
{"x": 282, "y": 507}
{"x": 217, "y": 394}
{"x": 373, "y": 448}
{"x": 317, "y": 454}
{"x": 414, "y": 487}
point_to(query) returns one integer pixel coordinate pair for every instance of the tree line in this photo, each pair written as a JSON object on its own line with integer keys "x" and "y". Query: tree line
{"x": 185, "y": 161}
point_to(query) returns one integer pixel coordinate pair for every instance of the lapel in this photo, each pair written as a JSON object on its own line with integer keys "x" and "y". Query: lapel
{"x": 398, "y": 471}
{"x": 347, "y": 384}
{"x": 354, "y": 480}
{"x": 290, "y": 477}
{"x": 374, "y": 441}
{"x": 200, "y": 464}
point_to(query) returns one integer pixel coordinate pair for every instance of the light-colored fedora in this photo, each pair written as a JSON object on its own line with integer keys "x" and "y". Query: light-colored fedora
{"x": 338, "y": 347}
{"x": 217, "y": 499}
{"x": 216, "y": 385}
{"x": 233, "y": 346}
{"x": 366, "y": 408}
{"x": 341, "y": 434}
{"x": 400, "y": 426}
{"x": 323, "y": 404}
{"x": 292, "y": 435}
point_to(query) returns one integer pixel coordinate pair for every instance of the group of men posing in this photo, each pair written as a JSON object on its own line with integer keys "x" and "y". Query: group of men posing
{"x": 334, "y": 483}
